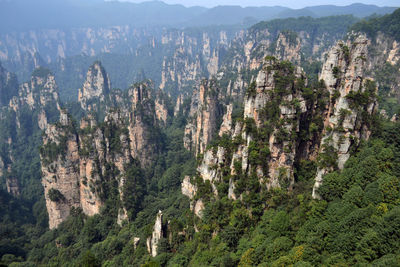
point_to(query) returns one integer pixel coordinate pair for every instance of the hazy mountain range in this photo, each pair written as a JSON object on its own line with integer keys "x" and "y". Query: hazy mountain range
{"x": 22, "y": 15}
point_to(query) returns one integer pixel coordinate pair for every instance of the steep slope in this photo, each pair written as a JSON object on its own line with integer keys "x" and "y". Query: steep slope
{"x": 81, "y": 164}
{"x": 283, "y": 123}
{"x": 96, "y": 87}
{"x": 32, "y": 106}
{"x": 292, "y": 168}
{"x": 384, "y": 54}
{"x": 174, "y": 59}
{"x": 8, "y": 86}
{"x": 353, "y": 101}
{"x": 204, "y": 113}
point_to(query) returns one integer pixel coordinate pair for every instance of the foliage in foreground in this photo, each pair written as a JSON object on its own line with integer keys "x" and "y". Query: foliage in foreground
{"x": 357, "y": 222}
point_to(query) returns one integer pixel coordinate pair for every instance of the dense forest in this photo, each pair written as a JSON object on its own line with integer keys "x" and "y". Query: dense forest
{"x": 217, "y": 171}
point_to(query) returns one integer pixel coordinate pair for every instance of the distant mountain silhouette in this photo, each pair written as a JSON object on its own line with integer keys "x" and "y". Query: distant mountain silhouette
{"x": 22, "y": 15}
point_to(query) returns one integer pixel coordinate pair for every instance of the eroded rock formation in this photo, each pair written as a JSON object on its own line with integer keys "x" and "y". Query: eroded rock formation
{"x": 205, "y": 109}
{"x": 95, "y": 88}
{"x": 266, "y": 143}
{"x": 353, "y": 96}
{"x": 8, "y": 86}
{"x": 157, "y": 234}
{"x": 60, "y": 168}
{"x": 76, "y": 162}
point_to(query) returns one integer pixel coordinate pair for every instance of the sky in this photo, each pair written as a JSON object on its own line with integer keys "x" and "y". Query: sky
{"x": 287, "y": 3}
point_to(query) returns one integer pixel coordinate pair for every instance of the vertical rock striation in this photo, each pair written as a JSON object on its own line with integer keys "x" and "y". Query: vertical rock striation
{"x": 284, "y": 122}
{"x": 352, "y": 101}
{"x": 78, "y": 163}
{"x": 263, "y": 141}
{"x": 95, "y": 88}
{"x": 205, "y": 110}
{"x": 60, "y": 169}
{"x": 142, "y": 124}
{"x": 157, "y": 234}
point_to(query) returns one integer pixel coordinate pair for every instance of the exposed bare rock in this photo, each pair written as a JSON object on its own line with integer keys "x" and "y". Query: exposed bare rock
{"x": 195, "y": 56}
{"x": 60, "y": 173}
{"x": 394, "y": 54}
{"x": 231, "y": 190}
{"x": 136, "y": 241}
{"x": 344, "y": 75}
{"x": 288, "y": 47}
{"x": 384, "y": 54}
{"x": 101, "y": 152}
{"x": 39, "y": 96}
{"x": 161, "y": 108}
{"x": 152, "y": 242}
{"x": 204, "y": 111}
{"x": 81, "y": 163}
{"x": 255, "y": 102}
{"x": 122, "y": 216}
{"x": 226, "y": 126}
{"x": 178, "y": 105}
{"x": 92, "y": 152}
{"x": 42, "y": 120}
{"x": 41, "y": 91}
{"x": 273, "y": 107}
{"x": 188, "y": 189}
{"x": 88, "y": 122}
{"x": 291, "y": 104}
{"x": 95, "y": 88}
{"x": 8, "y": 86}
{"x": 207, "y": 168}
{"x": 198, "y": 208}
{"x": 142, "y": 122}
{"x": 213, "y": 65}
{"x": 2, "y": 165}
{"x": 13, "y": 187}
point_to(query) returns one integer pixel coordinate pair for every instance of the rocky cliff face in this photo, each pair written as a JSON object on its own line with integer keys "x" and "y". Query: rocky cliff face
{"x": 185, "y": 55}
{"x": 143, "y": 123}
{"x": 285, "y": 122}
{"x": 288, "y": 47}
{"x": 13, "y": 187}
{"x": 272, "y": 89}
{"x": 60, "y": 168}
{"x": 28, "y": 110}
{"x": 78, "y": 162}
{"x": 74, "y": 164}
{"x": 195, "y": 56}
{"x": 53, "y": 44}
{"x": 8, "y": 86}
{"x": 96, "y": 87}
{"x": 205, "y": 110}
{"x": 247, "y": 50}
{"x": 161, "y": 109}
{"x": 353, "y": 100}
{"x": 382, "y": 64}
{"x": 41, "y": 91}
{"x": 157, "y": 234}
{"x": 263, "y": 143}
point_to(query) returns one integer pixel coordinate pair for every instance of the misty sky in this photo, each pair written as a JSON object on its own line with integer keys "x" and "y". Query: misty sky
{"x": 287, "y": 3}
